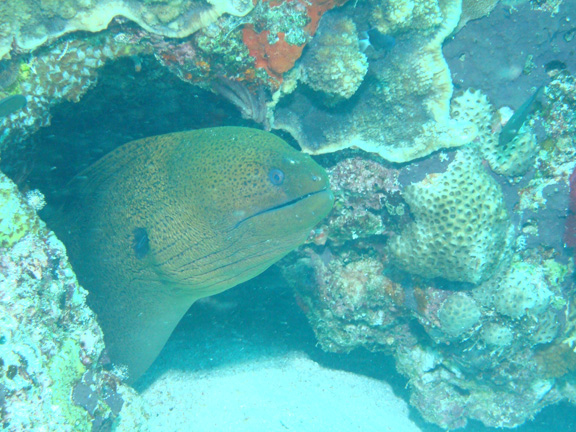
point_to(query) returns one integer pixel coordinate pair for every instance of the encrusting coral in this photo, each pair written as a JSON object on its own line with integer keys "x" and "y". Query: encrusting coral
{"x": 15, "y": 221}
{"x": 521, "y": 290}
{"x": 404, "y": 112}
{"x": 28, "y": 26}
{"x": 458, "y": 313}
{"x": 64, "y": 71}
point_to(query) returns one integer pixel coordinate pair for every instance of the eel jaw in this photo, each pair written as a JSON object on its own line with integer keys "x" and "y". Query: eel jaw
{"x": 285, "y": 204}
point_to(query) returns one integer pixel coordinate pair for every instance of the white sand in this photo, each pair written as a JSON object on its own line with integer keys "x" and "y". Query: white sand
{"x": 273, "y": 394}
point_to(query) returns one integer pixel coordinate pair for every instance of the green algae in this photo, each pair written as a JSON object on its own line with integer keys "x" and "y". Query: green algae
{"x": 66, "y": 369}
{"x": 15, "y": 220}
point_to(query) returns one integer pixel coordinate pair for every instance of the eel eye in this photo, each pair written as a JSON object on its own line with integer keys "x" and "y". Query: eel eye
{"x": 276, "y": 176}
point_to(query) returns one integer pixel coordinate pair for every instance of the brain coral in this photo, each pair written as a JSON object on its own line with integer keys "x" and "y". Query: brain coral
{"x": 334, "y": 63}
{"x": 461, "y": 225}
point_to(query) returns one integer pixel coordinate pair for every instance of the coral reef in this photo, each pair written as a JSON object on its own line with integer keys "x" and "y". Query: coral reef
{"x": 454, "y": 264}
{"x": 358, "y": 301}
{"x": 511, "y": 159}
{"x": 50, "y": 341}
{"x": 403, "y": 113}
{"x": 497, "y": 351}
{"x": 278, "y": 32}
{"x": 368, "y": 200}
{"x": 461, "y": 225}
{"x": 561, "y": 105}
{"x": 28, "y": 26}
{"x": 458, "y": 313}
{"x": 522, "y": 290}
{"x": 64, "y": 71}
{"x": 15, "y": 222}
{"x": 333, "y": 64}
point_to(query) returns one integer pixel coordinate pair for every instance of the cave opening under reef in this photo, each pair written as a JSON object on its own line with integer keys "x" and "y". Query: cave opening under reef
{"x": 123, "y": 106}
{"x": 127, "y": 105}
{"x": 261, "y": 314}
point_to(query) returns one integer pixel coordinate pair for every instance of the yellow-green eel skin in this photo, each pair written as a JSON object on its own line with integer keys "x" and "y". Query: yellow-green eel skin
{"x": 163, "y": 221}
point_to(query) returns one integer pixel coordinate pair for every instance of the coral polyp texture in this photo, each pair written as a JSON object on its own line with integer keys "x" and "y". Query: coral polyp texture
{"x": 62, "y": 72}
{"x": 50, "y": 341}
{"x": 461, "y": 226}
{"x": 28, "y": 25}
{"x": 359, "y": 301}
{"x": 334, "y": 64}
{"x": 404, "y": 111}
{"x": 458, "y": 313}
{"x": 513, "y": 158}
{"x": 521, "y": 290}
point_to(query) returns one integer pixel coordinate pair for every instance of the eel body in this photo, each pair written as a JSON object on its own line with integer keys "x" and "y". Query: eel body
{"x": 163, "y": 221}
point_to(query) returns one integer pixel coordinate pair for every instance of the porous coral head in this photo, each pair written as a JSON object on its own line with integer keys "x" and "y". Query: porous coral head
{"x": 461, "y": 226}
{"x": 458, "y": 314}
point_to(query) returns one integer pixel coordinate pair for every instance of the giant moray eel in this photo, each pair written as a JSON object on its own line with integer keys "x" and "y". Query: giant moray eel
{"x": 163, "y": 221}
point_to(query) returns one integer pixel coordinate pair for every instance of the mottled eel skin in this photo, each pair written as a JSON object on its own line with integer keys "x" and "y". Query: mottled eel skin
{"x": 163, "y": 221}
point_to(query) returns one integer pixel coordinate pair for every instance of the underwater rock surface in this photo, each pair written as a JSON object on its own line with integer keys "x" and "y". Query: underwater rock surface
{"x": 51, "y": 370}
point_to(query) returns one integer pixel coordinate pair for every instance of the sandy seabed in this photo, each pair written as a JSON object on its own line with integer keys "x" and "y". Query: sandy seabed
{"x": 274, "y": 394}
{"x": 242, "y": 361}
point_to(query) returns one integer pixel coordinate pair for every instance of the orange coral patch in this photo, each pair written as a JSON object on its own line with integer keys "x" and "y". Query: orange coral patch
{"x": 316, "y": 9}
{"x": 280, "y": 57}
{"x": 256, "y": 43}
{"x": 276, "y": 58}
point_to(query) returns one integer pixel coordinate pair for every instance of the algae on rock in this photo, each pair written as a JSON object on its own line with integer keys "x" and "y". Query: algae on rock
{"x": 49, "y": 337}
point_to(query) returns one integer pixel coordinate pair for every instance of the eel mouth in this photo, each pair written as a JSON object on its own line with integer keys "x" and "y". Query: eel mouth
{"x": 285, "y": 204}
